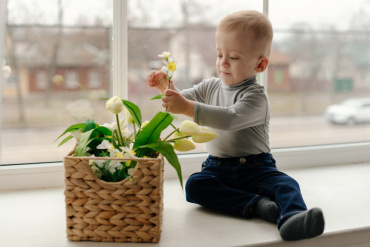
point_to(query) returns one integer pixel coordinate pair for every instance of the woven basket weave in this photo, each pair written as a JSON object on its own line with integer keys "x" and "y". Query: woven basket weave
{"x": 122, "y": 211}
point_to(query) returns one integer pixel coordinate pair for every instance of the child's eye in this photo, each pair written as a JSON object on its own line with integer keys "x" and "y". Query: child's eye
{"x": 234, "y": 58}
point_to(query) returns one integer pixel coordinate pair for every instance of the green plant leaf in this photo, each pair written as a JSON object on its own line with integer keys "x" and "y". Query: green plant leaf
{"x": 167, "y": 150}
{"x": 134, "y": 110}
{"x": 152, "y": 131}
{"x": 102, "y": 131}
{"x": 159, "y": 96}
{"x": 90, "y": 124}
{"x": 84, "y": 141}
{"x": 65, "y": 140}
{"x": 72, "y": 128}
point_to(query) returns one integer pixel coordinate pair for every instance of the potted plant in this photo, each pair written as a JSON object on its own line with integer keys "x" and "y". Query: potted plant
{"x": 114, "y": 175}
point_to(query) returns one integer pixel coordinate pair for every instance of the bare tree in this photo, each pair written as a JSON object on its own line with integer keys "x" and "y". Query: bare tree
{"x": 54, "y": 55}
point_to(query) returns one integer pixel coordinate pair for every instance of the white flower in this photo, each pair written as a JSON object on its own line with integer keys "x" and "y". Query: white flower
{"x": 105, "y": 144}
{"x": 114, "y": 104}
{"x": 165, "y": 54}
{"x": 169, "y": 64}
{"x": 126, "y": 133}
{"x": 114, "y": 165}
{"x": 129, "y": 171}
{"x": 99, "y": 163}
{"x": 128, "y": 153}
{"x": 112, "y": 126}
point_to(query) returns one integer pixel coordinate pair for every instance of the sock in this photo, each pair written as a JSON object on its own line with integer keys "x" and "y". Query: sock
{"x": 266, "y": 209}
{"x": 304, "y": 225}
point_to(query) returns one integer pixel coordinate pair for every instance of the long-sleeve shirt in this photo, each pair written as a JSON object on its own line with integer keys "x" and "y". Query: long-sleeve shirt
{"x": 240, "y": 114}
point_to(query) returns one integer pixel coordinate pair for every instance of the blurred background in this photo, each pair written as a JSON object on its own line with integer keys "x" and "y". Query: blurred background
{"x": 60, "y": 53}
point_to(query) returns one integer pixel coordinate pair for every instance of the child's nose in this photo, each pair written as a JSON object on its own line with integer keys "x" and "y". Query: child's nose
{"x": 224, "y": 62}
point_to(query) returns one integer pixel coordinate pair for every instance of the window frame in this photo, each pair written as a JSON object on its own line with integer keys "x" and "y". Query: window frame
{"x": 44, "y": 175}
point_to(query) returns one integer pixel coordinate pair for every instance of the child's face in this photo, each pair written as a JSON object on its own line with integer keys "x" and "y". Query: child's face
{"x": 237, "y": 59}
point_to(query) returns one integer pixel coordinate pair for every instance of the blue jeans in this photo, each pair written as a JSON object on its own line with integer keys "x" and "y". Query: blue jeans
{"x": 234, "y": 185}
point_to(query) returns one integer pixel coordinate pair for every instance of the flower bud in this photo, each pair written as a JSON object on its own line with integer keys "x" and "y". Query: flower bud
{"x": 207, "y": 135}
{"x": 183, "y": 145}
{"x": 189, "y": 128}
{"x": 144, "y": 124}
{"x": 130, "y": 119}
{"x": 114, "y": 105}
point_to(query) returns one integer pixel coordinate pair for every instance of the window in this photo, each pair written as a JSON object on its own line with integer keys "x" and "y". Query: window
{"x": 94, "y": 79}
{"x": 326, "y": 60}
{"x": 42, "y": 80}
{"x": 72, "y": 80}
{"x": 315, "y": 62}
{"x": 60, "y": 57}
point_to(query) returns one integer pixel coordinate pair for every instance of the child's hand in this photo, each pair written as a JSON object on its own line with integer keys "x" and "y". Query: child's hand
{"x": 177, "y": 104}
{"x": 158, "y": 79}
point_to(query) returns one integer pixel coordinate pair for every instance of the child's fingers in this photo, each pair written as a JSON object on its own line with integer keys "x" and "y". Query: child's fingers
{"x": 169, "y": 92}
{"x": 160, "y": 74}
{"x": 151, "y": 78}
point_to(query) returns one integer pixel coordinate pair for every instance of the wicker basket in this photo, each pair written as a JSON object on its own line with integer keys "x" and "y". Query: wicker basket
{"x": 123, "y": 211}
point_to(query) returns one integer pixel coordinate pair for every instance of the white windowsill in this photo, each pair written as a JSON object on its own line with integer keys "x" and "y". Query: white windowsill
{"x": 49, "y": 175}
{"x": 36, "y": 218}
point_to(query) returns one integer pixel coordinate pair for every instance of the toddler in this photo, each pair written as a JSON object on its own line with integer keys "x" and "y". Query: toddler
{"x": 240, "y": 177}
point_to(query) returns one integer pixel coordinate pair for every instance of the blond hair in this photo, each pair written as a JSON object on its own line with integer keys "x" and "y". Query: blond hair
{"x": 250, "y": 20}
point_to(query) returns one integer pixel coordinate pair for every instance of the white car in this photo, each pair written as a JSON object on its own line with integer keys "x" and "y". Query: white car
{"x": 350, "y": 111}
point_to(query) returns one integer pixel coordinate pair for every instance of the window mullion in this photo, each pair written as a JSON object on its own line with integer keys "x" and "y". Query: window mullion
{"x": 120, "y": 51}
{"x": 3, "y": 17}
{"x": 264, "y": 75}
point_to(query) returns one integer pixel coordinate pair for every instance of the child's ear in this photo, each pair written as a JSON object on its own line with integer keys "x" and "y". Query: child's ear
{"x": 262, "y": 64}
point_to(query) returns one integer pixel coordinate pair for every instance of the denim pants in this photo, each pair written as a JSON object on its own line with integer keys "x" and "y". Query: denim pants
{"x": 233, "y": 185}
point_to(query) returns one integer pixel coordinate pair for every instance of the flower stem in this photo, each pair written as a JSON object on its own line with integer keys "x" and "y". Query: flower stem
{"x": 169, "y": 82}
{"x": 120, "y": 138}
{"x": 170, "y": 134}
{"x": 134, "y": 129}
{"x": 178, "y": 138}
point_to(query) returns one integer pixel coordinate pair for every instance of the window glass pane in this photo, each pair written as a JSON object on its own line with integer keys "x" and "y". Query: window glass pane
{"x": 186, "y": 30}
{"x": 59, "y": 52}
{"x": 320, "y": 58}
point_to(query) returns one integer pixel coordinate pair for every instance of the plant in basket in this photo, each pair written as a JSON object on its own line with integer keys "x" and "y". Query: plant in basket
{"x": 114, "y": 175}
{"x": 141, "y": 140}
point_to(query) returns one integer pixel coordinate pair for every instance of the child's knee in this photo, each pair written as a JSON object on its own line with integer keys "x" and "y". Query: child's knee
{"x": 196, "y": 184}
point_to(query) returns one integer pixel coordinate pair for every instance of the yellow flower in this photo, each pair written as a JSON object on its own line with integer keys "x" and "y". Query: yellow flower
{"x": 169, "y": 64}
{"x": 189, "y": 128}
{"x": 207, "y": 135}
{"x": 172, "y": 66}
{"x": 114, "y": 105}
{"x": 183, "y": 145}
